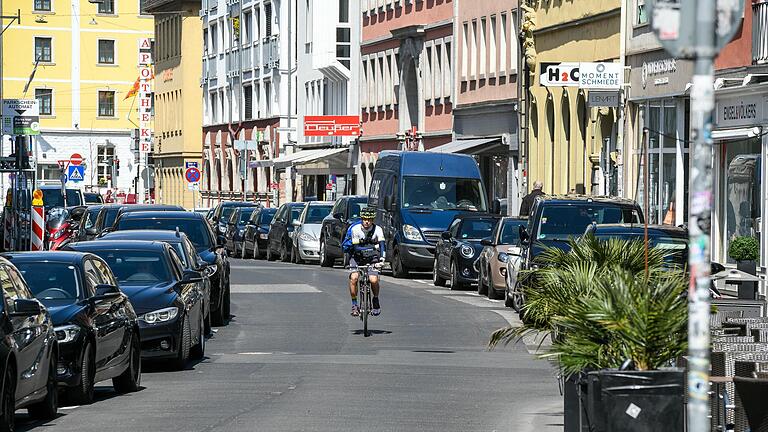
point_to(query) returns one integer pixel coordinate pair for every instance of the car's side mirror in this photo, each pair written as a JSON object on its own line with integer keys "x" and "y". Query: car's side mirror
{"x": 525, "y": 238}
{"x": 487, "y": 242}
{"x": 104, "y": 291}
{"x": 26, "y": 308}
{"x": 91, "y": 231}
{"x": 338, "y": 216}
{"x": 446, "y": 235}
{"x": 296, "y": 223}
{"x": 191, "y": 276}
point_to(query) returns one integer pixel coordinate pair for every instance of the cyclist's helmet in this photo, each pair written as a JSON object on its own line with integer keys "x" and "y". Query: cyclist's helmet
{"x": 368, "y": 213}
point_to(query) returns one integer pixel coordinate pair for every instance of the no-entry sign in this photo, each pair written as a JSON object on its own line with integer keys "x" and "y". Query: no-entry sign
{"x": 75, "y": 159}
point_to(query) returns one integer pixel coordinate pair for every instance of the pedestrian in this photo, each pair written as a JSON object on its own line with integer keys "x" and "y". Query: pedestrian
{"x": 528, "y": 200}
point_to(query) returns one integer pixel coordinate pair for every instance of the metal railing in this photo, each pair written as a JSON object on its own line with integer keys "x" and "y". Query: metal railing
{"x": 212, "y": 67}
{"x": 247, "y": 57}
{"x": 760, "y": 32}
{"x": 271, "y": 57}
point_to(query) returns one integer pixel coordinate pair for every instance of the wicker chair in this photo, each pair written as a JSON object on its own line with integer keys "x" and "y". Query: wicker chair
{"x": 733, "y": 339}
{"x": 716, "y": 320}
{"x": 724, "y": 358}
{"x": 760, "y": 335}
{"x": 752, "y": 393}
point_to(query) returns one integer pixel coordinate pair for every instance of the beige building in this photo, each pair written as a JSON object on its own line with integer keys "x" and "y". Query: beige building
{"x": 570, "y": 146}
{"x": 178, "y": 112}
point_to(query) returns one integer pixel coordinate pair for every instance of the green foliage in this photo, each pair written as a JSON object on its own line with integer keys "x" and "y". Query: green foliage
{"x": 602, "y": 306}
{"x": 744, "y": 249}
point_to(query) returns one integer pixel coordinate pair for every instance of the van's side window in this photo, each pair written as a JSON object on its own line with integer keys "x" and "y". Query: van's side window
{"x": 375, "y": 196}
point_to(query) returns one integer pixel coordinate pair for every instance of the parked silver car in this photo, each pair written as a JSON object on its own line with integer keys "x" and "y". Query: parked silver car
{"x": 306, "y": 233}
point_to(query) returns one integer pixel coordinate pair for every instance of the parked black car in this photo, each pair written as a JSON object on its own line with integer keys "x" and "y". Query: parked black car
{"x": 671, "y": 238}
{"x": 93, "y": 198}
{"x": 235, "y": 233}
{"x": 279, "y": 236}
{"x": 88, "y": 221}
{"x": 95, "y": 324}
{"x": 104, "y": 219}
{"x": 167, "y": 299}
{"x": 208, "y": 246}
{"x": 458, "y": 250}
{"x": 183, "y": 246}
{"x": 28, "y": 351}
{"x": 222, "y": 212}
{"x": 346, "y": 210}
{"x": 257, "y": 232}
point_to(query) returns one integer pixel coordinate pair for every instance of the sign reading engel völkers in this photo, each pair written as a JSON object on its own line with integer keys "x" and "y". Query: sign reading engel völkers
{"x": 21, "y": 117}
{"x": 331, "y": 126}
{"x": 583, "y": 75}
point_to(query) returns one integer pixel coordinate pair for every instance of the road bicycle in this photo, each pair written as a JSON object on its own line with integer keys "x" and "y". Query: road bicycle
{"x": 364, "y": 294}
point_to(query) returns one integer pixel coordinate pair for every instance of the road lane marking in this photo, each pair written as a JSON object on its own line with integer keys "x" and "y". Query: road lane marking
{"x": 479, "y": 302}
{"x": 273, "y": 289}
{"x": 447, "y": 292}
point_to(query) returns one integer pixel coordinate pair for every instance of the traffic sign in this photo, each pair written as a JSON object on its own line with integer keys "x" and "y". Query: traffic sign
{"x": 21, "y": 117}
{"x": 75, "y": 159}
{"x": 76, "y": 173}
{"x": 191, "y": 165}
{"x": 192, "y": 175}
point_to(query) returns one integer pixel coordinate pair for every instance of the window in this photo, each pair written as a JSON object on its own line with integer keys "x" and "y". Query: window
{"x": 741, "y": 191}
{"x": 106, "y": 103}
{"x": 642, "y": 14}
{"x": 106, "y": 7}
{"x": 473, "y": 52}
{"x": 106, "y": 51}
{"x": 494, "y": 67}
{"x": 214, "y": 105}
{"x": 45, "y": 101}
{"x": 106, "y": 154}
{"x": 343, "y": 52}
{"x": 483, "y": 54}
{"x": 214, "y": 37}
{"x": 268, "y": 19}
{"x": 248, "y": 100}
{"x": 205, "y": 41}
{"x": 503, "y": 45}
{"x": 43, "y": 49}
{"x": 246, "y": 30}
{"x": 343, "y": 11}
{"x": 42, "y": 5}
{"x": 268, "y": 98}
{"x": 464, "y": 51}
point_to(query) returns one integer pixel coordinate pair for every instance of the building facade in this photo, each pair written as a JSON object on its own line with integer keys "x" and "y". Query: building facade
{"x": 485, "y": 116}
{"x": 248, "y": 74}
{"x": 79, "y": 60}
{"x": 569, "y": 144}
{"x": 406, "y": 79}
{"x": 179, "y": 113}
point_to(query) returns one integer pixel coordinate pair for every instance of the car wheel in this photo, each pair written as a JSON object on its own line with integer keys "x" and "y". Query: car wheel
{"x": 226, "y": 305}
{"x": 256, "y": 250}
{"x": 47, "y": 408}
{"x": 398, "y": 268}
{"x": 130, "y": 380}
{"x": 198, "y": 351}
{"x": 242, "y": 251}
{"x": 482, "y": 288}
{"x": 82, "y": 394}
{"x": 324, "y": 260}
{"x": 492, "y": 293}
{"x": 455, "y": 283}
{"x": 7, "y": 423}
{"x": 297, "y": 256}
{"x": 437, "y": 280}
{"x": 270, "y": 257}
{"x": 184, "y": 346}
{"x": 208, "y": 326}
{"x": 285, "y": 252}
{"x": 217, "y": 315}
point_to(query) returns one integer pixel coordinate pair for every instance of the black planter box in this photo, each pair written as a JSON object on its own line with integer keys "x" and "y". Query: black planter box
{"x": 747, "y": 290}
{"x": 635, "y": 401}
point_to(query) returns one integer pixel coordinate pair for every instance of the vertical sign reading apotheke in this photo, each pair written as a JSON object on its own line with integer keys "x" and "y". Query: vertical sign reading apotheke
{"x": 145, "y": 96}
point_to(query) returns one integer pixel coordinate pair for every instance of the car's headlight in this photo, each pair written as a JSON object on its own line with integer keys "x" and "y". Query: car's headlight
{"x": 503, "y": 257}
{"x": 58, "y": 234}
{"x": 411, "y": 232}
{"x": 307, "y": 237}
{"x": 264, "y": 236}
{"x": 467, "y": 251}
{"x": 67, "y": 333}
{"x": 160, "y": 316}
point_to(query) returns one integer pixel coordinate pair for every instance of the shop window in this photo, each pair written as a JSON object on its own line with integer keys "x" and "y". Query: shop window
{"x": 741, "y": 190}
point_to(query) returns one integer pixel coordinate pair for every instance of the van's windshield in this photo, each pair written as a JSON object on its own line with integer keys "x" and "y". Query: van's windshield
{"x": 443, "y": 193}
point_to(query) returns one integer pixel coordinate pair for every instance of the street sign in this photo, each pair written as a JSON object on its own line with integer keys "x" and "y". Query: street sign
{"x": 75, "y": 159}
{"x": 559, "y": 74}
{"x": 603, "y": 98}
{"x": 21, "y": 117}
{"x": 76, "y": 173}
{"x": 192, "y": 175}
{"x": 675, "y": 25}
{"x": 190, "y": 165}
{"x": 319, "y": 126}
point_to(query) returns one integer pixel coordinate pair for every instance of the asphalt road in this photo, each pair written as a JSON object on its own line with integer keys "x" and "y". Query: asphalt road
{"x": 292, "y": 359}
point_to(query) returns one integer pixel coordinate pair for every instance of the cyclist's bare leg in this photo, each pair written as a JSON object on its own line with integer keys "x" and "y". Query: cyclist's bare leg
{"x": 353, "y": 278}
{"x": 374, "y": 284}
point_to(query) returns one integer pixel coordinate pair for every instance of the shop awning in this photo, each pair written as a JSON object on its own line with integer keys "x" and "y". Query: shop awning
{"x": 730, "y": 134}
{"x": 468, "y": 146}
{"x": 329, "y": 161}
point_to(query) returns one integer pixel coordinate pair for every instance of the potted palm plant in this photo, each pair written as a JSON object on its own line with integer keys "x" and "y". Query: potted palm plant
{"x": 607, "y": 313}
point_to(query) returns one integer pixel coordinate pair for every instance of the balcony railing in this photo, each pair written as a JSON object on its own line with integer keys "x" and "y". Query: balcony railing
{"x": 271, "y": 52}
{"x": 760, "y": 32}
{"x": 247, "y": 58}
{"x": 212, "y": 67}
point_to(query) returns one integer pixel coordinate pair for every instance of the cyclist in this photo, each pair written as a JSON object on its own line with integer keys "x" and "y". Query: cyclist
{"x": 367, "y": 248}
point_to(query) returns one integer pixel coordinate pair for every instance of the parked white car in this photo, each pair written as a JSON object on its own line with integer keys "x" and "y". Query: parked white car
{"x": 306, "y": 234}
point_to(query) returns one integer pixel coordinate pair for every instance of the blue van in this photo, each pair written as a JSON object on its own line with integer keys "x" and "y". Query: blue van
{"x": 417, "y": 195}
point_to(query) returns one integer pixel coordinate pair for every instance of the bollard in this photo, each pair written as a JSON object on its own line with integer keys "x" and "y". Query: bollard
{"x": 38, "y": 222}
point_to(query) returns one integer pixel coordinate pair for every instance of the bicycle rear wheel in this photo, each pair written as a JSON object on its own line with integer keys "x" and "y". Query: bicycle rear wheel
{"x": 365, "y": 302}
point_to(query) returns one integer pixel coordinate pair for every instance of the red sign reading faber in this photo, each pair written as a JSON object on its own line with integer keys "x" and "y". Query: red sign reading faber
{"x": 315, "y": 126}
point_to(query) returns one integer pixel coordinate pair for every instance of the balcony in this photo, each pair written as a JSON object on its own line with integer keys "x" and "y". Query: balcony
{"x": 271, "y": 57}
{"x": 760, "y": 32}
{"x": 247, "y": 58}
{"x": 233, "y": 63}
{"x": 212, "y": 68}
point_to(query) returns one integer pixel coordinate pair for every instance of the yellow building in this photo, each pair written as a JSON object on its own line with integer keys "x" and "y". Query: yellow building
{"x": 178, "y": 138}
{"x": 571, "y": 147}
{"x": 87, "y": 58}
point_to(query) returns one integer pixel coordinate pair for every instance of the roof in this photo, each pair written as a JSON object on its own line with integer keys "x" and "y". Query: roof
{"x": 320, "y": 203}
{"x": 166, "y": 236}
{"x": 54, "y": 186}
{"x": 354, "y": 197}
{"x": 640, "y": 229}
{"x": 429, "y": 164}
{"x": 476, "y": 215}
{"x": 587, "y": 198}
{"x": 296, "y": 204}
{"x": 238, "y": 204}
{"x": 125, "y": 208}
{"x": 166, "y": 214}
{"x": 89, "y": 246}
{"x": 55, "y": 256}
{"x": 515, "y": 218}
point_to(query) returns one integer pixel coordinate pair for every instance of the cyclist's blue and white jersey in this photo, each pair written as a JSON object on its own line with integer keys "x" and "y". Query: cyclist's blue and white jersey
{"x": 363, "y": 239}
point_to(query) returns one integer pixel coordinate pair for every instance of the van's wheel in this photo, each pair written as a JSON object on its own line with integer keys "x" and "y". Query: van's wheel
{"x": 398, "y": 269}
{"x": 324, "y": 260}
{"x": 437, "y": 280}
